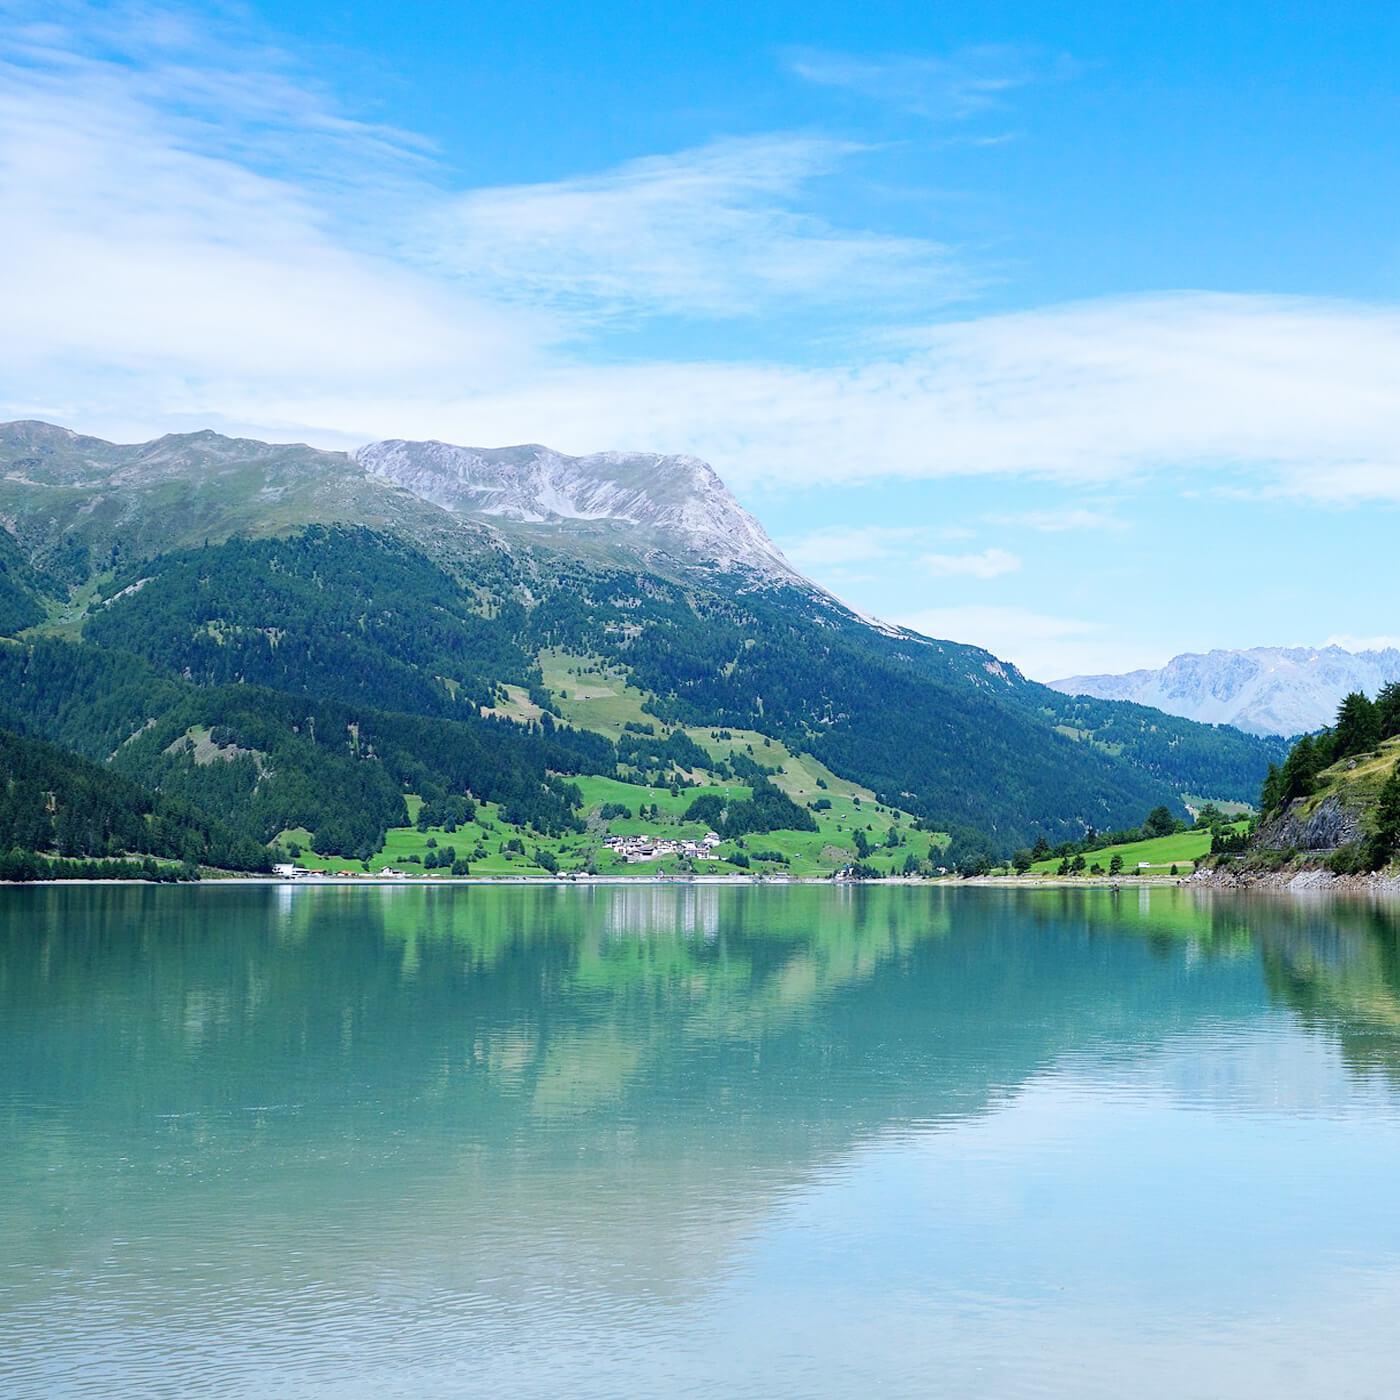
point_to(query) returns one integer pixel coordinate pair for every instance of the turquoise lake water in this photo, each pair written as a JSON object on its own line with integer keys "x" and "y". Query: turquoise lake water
{"x": 684, "y": 1141}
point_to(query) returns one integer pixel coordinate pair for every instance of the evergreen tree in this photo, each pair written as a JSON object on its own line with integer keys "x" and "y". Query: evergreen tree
{"x": 1388, "y": 710}
{"x": 1385, "y": 841}
{"x": 1271, "y": 794}
{"x": 1300, "y": 768}
{"x": 1357, "y": 729}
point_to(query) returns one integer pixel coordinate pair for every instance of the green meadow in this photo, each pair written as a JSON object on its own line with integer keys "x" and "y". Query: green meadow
{"x": 591, "y": 695}
{"x": 487, "y": 842}
{"x": 1154, "y": 857}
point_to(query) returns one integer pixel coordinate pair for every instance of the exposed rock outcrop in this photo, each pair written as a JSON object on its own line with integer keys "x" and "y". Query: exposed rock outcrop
{"x": 1330, "y": 824}
{"x": 679, "y": 498}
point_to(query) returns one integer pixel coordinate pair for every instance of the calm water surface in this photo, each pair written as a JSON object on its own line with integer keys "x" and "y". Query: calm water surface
{"x": 274, "y": 1142}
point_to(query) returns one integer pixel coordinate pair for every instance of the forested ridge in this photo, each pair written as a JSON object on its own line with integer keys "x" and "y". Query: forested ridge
{"x": 56, "y": 802}
{"x": 314, "y": 679}
{"x": 267, "y": 760}
{"x": 331, "y": 611}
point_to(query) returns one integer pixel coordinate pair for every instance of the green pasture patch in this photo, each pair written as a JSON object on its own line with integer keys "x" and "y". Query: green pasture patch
{"x": 1159, "y": 854}
{"x": 591, "y": 693}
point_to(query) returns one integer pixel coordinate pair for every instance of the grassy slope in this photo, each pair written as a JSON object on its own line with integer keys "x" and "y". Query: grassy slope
{"x": 593, "y": 696}
{"x": 1161, "y": 854}
{"x": 1356, "y": 782}
{"x": 809, "y": 853}
{"x": 1226, "y": 807}
{"x": 516, "y": 705}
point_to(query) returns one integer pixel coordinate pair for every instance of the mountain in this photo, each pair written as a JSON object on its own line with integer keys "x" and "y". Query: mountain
{"x": 1263, "y": 690}
{"x": 79, "y": 505}
{"x": 305, "y": 640}
{"x": 678, "y": 503}
{"x": 63, "y": 492}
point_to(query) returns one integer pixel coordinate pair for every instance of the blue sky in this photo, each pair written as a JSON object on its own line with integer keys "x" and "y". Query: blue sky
{"x": 1068, "y": 329}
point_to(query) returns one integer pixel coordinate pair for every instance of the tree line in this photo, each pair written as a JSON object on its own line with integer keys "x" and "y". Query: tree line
{"x": 1361, "y": 726}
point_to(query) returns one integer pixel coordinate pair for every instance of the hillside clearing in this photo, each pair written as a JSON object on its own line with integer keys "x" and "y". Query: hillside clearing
{"x": 1155, "y": 856}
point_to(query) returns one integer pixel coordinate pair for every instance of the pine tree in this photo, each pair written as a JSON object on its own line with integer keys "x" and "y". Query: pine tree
{"x": 1388, "y": 710}
{"x": 1271, "y": 794}
{"x": 1300, "y": 768}
{"x": 1357, "y": 729}
{"x": 1385, "y": 842}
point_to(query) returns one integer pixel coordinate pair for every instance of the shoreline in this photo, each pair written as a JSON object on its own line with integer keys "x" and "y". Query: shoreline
{"x": 428, "y": 882}
{"x": 1238, "y": 882}
{"x": 1048, "y": 882}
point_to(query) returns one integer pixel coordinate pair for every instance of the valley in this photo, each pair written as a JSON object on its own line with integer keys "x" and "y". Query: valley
{"x": 313, "y": 646}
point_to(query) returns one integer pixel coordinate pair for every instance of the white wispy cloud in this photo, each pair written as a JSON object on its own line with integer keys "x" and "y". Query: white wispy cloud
{"x": 1295, "y": 396}
{"x": 989, "y": 563}
{"x": 1061, "y": 520}
{"x": 713, "y": 231}
{"x": 835, "y": 546}
{"x": 145, "y": 249}
{"x": 955, "y": 86}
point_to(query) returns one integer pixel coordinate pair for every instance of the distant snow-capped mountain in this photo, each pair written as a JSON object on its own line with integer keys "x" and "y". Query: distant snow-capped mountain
{"x": 679, "y": 500}
{"x": 1263, "y": 690}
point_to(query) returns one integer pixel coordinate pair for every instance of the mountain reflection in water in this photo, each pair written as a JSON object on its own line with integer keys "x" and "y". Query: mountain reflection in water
{"x": 653, "y": 1139}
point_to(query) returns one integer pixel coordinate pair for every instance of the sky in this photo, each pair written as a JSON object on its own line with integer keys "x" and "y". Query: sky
{"x": 1071, "y": 330}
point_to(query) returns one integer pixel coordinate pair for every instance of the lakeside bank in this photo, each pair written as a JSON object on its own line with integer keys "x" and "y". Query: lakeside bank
{"x": 228, "y": 879}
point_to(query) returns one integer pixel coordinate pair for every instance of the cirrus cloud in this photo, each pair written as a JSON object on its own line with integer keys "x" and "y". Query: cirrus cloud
{"x": 707, "y": 232}
{"x": 942, "y": 87}
{"x": 988, "y": 563}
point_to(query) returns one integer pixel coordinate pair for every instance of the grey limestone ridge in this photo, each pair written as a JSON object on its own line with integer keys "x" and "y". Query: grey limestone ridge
{"x": 679, "y": 498}
{"x": 1262, "y": 690}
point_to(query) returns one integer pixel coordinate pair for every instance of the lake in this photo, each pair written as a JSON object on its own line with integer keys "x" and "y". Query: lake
{"x": 684, "y": 1141}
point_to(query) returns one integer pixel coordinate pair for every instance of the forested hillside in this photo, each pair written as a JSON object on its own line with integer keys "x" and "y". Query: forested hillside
{"x": 314, "y": 675}
{"x": 266, "y": 760}
{"x": 55, "y": 802}
{"x": 941, "y": 730}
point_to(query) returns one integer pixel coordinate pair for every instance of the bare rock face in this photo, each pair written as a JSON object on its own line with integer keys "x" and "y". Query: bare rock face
{"x": 678, "y": 501}
{"x": 1329, "y": 825}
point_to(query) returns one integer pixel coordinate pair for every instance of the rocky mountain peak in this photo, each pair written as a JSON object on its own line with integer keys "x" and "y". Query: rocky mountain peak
{"x": 1262, "y": 690}
{"x": 678, "y": 500}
